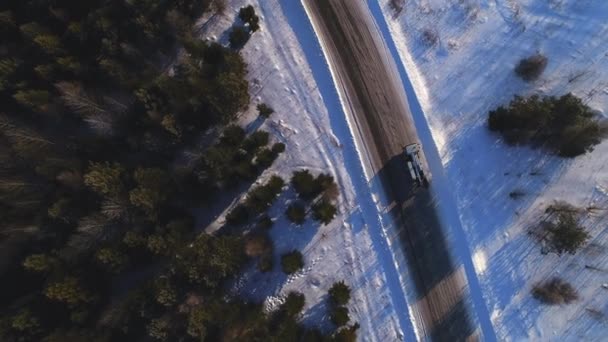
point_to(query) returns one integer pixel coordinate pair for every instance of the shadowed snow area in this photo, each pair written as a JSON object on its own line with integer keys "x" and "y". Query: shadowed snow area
{"x": 467, "y": 70}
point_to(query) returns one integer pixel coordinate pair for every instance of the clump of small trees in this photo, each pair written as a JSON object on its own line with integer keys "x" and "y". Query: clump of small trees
{"x": 339, "y": 296}
{"x": 554, "y": 292}
{"x": 258, "y": 200}
{"x": 532, "y": 67}
{"x": 241, "y": 34}
{"x": 563, "y": 125}
{"x": 320, "y": 190}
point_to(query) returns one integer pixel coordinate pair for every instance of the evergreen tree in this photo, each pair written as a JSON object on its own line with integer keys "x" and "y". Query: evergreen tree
{"x": 292, "y": 262}
{"x": 339, "y": 293}
{"x": 40, "y": 263}
{"x": 69, "y": 291}
{"x": 324, "y": 211}
{"x": 112, "y": 259}
{"x": 105, "y": 178}
{"x": 152, "y": 189}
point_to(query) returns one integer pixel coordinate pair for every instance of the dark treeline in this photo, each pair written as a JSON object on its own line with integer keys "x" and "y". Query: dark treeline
{"x": 97, "y": 239}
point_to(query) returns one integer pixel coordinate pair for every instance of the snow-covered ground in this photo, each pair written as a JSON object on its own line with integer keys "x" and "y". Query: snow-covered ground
{"x": 457, "y": 80}
{"x": 288, "y": 71}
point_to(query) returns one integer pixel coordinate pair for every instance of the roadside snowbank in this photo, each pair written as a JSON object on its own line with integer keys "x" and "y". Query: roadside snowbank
{"x": 460, "y": 57}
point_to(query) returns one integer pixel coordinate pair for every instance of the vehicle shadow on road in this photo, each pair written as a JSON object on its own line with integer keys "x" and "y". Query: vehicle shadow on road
{"x": 441, "y": 291}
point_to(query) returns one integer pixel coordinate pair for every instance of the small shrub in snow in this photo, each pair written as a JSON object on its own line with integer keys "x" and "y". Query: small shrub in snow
{"x": 429, "y": 37}
{"x": 324, "y": 211}
{"x": 339, "y": 293}
{"x": 339, "y": 316}
{"x": 291, "y": 262}
{"x": 532, "y": 67}
{"x": 554, "y": 292}
{"x": 296, "y": 213}
{"x": 517, "y": 194}
{"x": 264, "y": 110}
{"x": 566, "y": 235}
{"x": 564, "y": 125}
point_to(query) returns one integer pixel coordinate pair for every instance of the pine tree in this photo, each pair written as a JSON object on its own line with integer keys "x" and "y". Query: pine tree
{"x": 152, "y": 189}
{"x": 69, "y": 291}
{"x": 105, "y": 178}
{"x": 339, "y": 293}
{"x": 112, "y": 259}
{"x": 40, "y": 263}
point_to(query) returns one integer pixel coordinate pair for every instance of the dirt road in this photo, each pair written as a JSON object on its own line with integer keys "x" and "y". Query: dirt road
{"x": 376, "y": 106}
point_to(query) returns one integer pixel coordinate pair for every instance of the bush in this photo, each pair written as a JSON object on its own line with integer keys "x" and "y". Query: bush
{"x": 554, "y": 292}
{"x": 566, "y": 235}
{"x": 563, "y": 125}
{"x": 296, "y": 213}
{"x": 238, "y": 37}
{"x": 339, "y": 293}
{"x": 291, "y": 262}
{"x": 339, "y": 316}
{"x": 430, "y": 37}
{"x": 294, "y": 303}
{"x": 532, "y": 67}
{"x": 324, "y": 211}
{"x": 264, "y": 110}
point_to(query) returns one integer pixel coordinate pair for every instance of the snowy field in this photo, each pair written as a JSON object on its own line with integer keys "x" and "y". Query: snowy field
{"x": 464, "y": 72}
{"x": 288, "y": 71}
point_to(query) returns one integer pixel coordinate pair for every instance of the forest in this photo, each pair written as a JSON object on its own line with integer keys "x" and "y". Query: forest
{"x": 105, "y": 154}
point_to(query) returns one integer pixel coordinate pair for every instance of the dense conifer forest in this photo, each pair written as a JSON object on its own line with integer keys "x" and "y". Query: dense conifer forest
{"x": 102, "y": 166}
